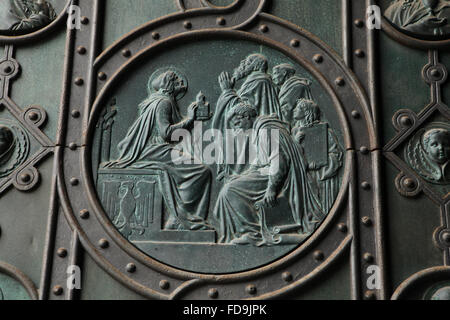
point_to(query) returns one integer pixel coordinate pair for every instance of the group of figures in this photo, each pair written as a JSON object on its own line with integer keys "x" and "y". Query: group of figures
{"x": 421, "y": 17}
{"x": 303, "y": 169}
{"x": 30, "y": 15}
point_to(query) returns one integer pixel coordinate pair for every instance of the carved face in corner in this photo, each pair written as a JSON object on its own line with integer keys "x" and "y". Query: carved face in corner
{"x": 6, "y": 142}
{"x": 437, "y": 145}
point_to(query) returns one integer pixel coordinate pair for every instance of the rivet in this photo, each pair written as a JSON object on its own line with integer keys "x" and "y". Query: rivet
{"x": 74, "y": 181}
{"x": 75, "y": 114}
{"x": 359, "y": 23}
{"x": 446, "y": 237}
{"x": 340, "y": 82}
{"x": 84, "y": 214}
{"x": 318, "y": 58}
{"x": 126, "y": 53}
{"x": 73, "y": 146}
{"x": 213, "y": 293}
{"x": 251, "y": 289}
{"x": 62, "y": 253}
{"x": 25, "y": 177}
{"x": 187, "y": 25}
{"x": 221, "y": 21}
{"x": 405, "y": 121}
{"x": 286, "y": 276}
{"x": 356, "y": 114}
{"x": 103, "y": 243}
{"x": 435, "y": 73}
{"x": 359, "y": 53}
{"x": 366, "y": 221}
{"x": 264, "y": 28}
{"x": 58, "y": 290}
{"x": 368, "y": 257}
{"x": 84, "y": 20}
{"x": 102, "y": 76}
{"x": 155, "y": 35}
{"x": 131, "y": 268}
{"x": 319, "y": 256}
{"x": 364, "y": 150}
{"x": 409, "y": 183}
{"x": 342, "y": 227}
{"x": 79, "y": 81}
{"x": 369, "y": 295}
{"x": 33, "y": 116}
{"x": 295, "y": 43}
{"x": 164, "y": 284}
{"x": 81, "y": 50}
{"x": 365, "y": 185}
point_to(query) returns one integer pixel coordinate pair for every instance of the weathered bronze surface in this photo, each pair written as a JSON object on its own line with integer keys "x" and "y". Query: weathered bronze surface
{"x": 128, "y": 124}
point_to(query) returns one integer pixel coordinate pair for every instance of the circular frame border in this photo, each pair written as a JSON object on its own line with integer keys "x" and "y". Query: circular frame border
{"x": 411, "y": 41}
{"x": 19, "y": 276}
{"x": 348, "y": 85}
{"x": 421, "y": 277}
{"x": 87, "y": 170}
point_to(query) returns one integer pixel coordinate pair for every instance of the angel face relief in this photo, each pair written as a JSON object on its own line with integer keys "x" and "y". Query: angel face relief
{"x": 429, "y": 153}
{"x": 437, "y": 145}
{"x": 14, "y": 146}
{"x": 190, "y": 213}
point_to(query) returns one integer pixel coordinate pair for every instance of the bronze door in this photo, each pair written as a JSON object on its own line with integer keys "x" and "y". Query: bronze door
{"x": 246, "y": 149}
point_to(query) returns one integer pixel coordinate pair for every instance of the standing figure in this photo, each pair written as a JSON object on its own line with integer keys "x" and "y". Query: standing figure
{"x": 148, "y": 145}
{"x": 292, "y": 89}
{"x": 258, "y": 90}
{"x": 423, "y": 17}
{"x": 280, "y": 169}
{"x": 322, "y": 150}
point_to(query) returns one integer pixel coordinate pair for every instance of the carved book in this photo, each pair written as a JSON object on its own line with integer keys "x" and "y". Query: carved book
{"x": 315, "y": 144}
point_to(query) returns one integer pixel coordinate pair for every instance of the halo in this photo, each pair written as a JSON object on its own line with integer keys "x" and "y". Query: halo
{"x": 162, "y": 70}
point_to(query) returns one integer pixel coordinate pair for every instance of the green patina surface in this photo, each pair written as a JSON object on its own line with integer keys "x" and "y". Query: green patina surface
{"x": 11, "y": 289}
{"x": 410, "y": 222}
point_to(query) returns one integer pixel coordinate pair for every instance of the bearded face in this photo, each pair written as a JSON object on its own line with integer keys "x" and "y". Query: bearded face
{"x": 179, "y": 86}
{"x": 243, "y": 70}
{"x": 279, "y": 76}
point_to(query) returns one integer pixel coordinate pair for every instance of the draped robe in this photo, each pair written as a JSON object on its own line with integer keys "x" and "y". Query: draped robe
{"x": 186, "y": 187}
{"x": 236, "y": 217}
{"x": 408, "y": 15}
{"x": 260, "y": 92}
{"x": 292, "y": 90}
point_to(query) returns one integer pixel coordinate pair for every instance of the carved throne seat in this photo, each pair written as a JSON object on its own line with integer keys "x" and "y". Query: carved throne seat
{"x": 134, "y": 203}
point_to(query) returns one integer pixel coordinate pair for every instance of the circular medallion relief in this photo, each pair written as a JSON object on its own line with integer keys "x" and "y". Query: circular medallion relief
{"x": 218, "y": 157}
{"x": 417, "y": 23}
{"x": 428, "y": 153}
{"x": 21, "y": 17}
